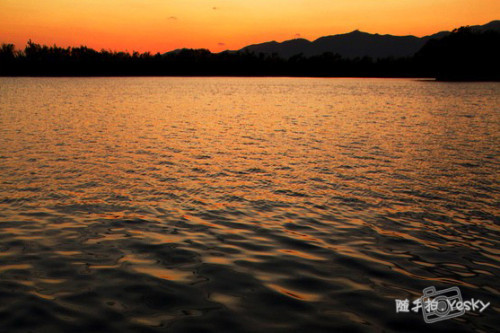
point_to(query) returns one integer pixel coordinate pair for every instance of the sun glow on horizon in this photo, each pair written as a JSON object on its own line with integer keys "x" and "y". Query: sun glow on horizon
{"x": 160, "y": 26}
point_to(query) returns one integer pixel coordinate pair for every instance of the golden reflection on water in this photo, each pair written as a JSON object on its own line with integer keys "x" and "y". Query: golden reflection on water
{"x": 248, "y": 188}
{"x": 5, "y": 268}
{"x": 295, "y": 294}
{"x": 164, "y": 273}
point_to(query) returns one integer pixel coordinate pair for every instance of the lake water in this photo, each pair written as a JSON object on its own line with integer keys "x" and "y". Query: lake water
{"x": 245, "y": 204}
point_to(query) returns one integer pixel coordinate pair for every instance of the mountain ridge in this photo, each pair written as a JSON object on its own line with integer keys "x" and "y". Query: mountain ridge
{"x": 354, "y": 44}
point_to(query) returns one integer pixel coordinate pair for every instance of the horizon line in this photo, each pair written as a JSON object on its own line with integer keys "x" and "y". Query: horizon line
{"x": 252, "y": 44}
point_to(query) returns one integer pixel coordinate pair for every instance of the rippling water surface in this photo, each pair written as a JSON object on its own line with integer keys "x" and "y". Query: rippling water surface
{"x": 245, "y": 205}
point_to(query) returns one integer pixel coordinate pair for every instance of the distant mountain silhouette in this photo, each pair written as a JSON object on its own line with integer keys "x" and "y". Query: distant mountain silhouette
{"x": 493, "y": 25}
{"x": 464, "y": 54}
{"x": 355, "y": 44}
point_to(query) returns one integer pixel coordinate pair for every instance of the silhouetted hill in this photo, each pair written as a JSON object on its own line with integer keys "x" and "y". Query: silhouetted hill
{"x": 493, "y": 25}
{"x": 468, "y": 53}
{"x": 355, "y": 44}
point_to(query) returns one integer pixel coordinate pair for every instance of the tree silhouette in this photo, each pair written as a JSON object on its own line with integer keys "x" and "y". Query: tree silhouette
{"x": 464, "y": 54}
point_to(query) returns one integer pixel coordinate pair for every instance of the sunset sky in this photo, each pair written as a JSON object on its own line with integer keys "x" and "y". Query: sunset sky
{"x": 163, "y": 25}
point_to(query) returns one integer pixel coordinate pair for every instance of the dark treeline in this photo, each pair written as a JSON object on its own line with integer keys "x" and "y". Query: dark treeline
{"x": 463, "y": 55}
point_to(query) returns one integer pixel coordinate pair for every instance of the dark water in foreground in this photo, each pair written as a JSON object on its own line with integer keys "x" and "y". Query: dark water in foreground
{"x": 245, "y": 205}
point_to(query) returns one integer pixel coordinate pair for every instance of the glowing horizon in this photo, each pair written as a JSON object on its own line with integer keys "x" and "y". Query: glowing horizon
{"x": 160, "y": 26}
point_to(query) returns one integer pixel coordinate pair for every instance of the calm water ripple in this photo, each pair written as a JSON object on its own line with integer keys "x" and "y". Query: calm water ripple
{"x": 249, "y": 205}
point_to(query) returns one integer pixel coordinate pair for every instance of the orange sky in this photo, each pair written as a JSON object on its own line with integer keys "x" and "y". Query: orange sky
{"x": 163, "y": 25}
